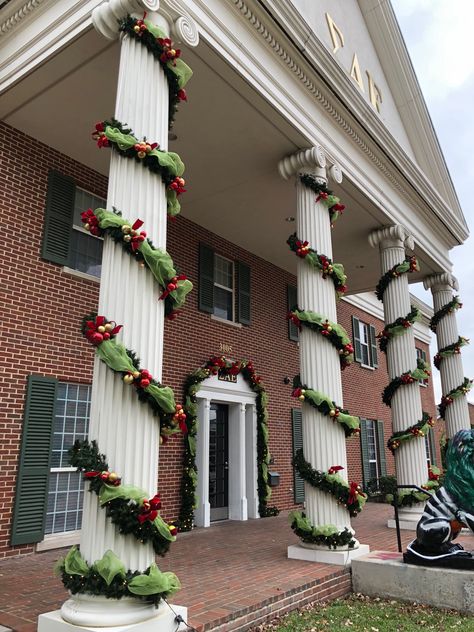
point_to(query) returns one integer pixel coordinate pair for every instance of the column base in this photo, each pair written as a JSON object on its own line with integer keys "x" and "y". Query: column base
{"x": 327, "y": 556}
{"x": 408, "y": 518}
{"x": 163, "y": 621}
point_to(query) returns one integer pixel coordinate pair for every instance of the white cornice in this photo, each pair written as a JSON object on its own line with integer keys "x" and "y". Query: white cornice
{"x": 15, "y": 12}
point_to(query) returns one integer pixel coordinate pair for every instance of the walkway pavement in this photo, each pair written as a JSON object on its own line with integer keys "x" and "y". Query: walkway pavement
{"x": 233, "y": 574}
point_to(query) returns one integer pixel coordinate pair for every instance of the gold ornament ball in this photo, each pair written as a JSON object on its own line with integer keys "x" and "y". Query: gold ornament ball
{"x": 128, "y": 379}
{"x": 126, "y": 228}
{"x": 101, "y": 329}
{"x": 108, "y": 327}
{"x": 301, "y": 398}
{"x": 113, "y": 476}
{"x": 87, "y": 226}
{"x": 127, "y": 238}
{"x": 136, "y": 374}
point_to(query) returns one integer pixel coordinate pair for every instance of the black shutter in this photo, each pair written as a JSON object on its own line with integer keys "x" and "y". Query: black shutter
{"x": 292, "y": 301}
{"x": 356, "y": 339}
{"x": 432, "y": 440}
{"x": 381, "y": 448}
{"x": 373, "y": 347}
{"x": 34, "y": 464}
{"x": 243, "y": 293}
{"x": 297, "y": 430}
{"x": 206, "y": 279}
{"x": 364, "y": 447}
{"x": 58, "y": 218}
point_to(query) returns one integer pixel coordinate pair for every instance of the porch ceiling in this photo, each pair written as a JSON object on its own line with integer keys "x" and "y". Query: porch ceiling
{"x": 229, "y": 137}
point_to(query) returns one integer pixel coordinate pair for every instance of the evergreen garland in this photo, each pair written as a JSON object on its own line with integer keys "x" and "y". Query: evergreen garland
{"x": 450, "y": 350}
{"x": 123, "y": 511}
{"x": 325, "y": 196}
{"x": 410, "y": 497}
{"x": 214, "y": 366}
{"x": 320, "y": 262}
{"x": 324, "y": 535}
{"x": 420, "y": 429}
{"x": 398, "y": 327}
{"x": 348, "y": 495}
{"x": 409, "y": 377}
{"x": 333, "y": 332}
{"x": 410, "y": 264}
{"x": 453, "y": 394}
{"x": 449, "y": 308}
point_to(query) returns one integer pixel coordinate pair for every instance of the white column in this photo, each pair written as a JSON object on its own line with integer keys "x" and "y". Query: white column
{"x": 203, "y": 509}
{"x": 324, "y": 442}
{"x": 237, "y": 484}
{"x": 451, "y": 367}
{"x": 251, "y": 474}
{"x": 410, "y": 457}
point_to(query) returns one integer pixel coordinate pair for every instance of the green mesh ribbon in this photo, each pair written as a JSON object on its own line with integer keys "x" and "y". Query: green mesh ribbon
{"x": 325, "y": 196}
{"x": 450, "y": 350}
{"x": 420, "y": 429}
{"x": 449, "y": 308}
{"x": 326, "y": 535}
{"x": 409, "y": 264}
{"x": 398, "y": 327}
{"x": 409, "y": 377}
{"x": 453, "y": 394}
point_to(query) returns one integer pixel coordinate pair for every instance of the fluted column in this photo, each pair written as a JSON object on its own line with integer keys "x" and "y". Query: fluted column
{"x": 410, "y": 458}
{"x": 451, "y": 367}
{"x": 324, "y": 443}
{"x": 203, "y": 510}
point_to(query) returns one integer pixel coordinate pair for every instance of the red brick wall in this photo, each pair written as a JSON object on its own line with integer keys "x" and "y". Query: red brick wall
{"x": 43, "y": 306}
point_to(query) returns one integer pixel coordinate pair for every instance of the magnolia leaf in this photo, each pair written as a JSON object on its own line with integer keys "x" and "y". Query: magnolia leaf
{"x": 109, "y": 567}
{"x": 74, "y": 563}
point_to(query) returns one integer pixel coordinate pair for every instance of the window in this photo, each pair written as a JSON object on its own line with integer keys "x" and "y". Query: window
{"x": 86, "y": 250}
{"x": 291, "y": 303}
{"x": 373, "y": 450}
{"x": 430, "y": 447}
{"x": 297, "y": 432}
{"x": 224, "y": 286}
{"x": 421, "y": 355}
{"x": 65, "y": 495}
{"x": 365, "y": 345}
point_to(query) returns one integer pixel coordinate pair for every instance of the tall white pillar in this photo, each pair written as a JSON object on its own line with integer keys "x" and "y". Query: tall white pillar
{"x": 251, "y": 473}
{"x": 410, "y": 457}
{"x": 451, "y": 367}
{"x": 324, "y": 442}
{"x": 203, "y": 509}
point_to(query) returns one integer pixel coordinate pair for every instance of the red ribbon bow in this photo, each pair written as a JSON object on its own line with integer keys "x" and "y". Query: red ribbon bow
{"x": 149, "y": 510}
{"x": 294, "y": 319}
{"x": 99, "y": 330}
{"x": 334, "y": 469}
{"x": 354, "y": 491}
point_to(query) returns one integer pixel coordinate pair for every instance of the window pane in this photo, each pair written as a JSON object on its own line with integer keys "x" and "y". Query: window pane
{"x": 223, "y": 272}
{"x": 86, "y": 253}
{"x": 364, "y": 343}
{"x": 223, "y": 303}
{"x": 83, "y": 201}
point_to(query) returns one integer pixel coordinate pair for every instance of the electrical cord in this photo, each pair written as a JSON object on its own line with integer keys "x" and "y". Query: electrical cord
{"x": 179, "y": 619}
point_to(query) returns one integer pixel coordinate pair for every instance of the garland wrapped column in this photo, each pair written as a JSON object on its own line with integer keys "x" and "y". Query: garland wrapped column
{"x": 323, "y": 439}
{"x": 406, "y": 406}
{"x": 448, "y": 359}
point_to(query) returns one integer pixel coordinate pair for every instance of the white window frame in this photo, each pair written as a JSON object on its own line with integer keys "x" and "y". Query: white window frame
{"x": 227, "y": 289}
{"x": 365, "y": 334}
{"x": 371, "y": 423}
{"x": 81, "y": 229}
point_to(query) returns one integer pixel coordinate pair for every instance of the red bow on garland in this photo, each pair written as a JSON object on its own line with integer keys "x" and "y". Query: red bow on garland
{"x": 110, "y": 478}
{"x": 354, "y": 491}
{"x": 334, "y": 469}
{"x": 169, "y": 53}
{"x": 137, "y": 238}
{"x": 99, "y": 135}
{"x": 99, "y": 330}
{"x": 294, "y": 319}
{"x": 173, "y": 285}
{"x": 149, "y": 509}
{"x": 91, "y": 223}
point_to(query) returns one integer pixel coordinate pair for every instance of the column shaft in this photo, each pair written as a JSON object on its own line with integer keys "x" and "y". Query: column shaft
{"x": 203, "y": 510}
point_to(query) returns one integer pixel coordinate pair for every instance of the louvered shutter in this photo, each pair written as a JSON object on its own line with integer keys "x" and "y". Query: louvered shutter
{"x": 243, "y": 293}
{"x": 297, "y": 430}
{"x": 432, "y": 440}
{"x": 206, "y": 279}
{"x": 364, "y": 447}
{"x": 356, "y": 339}
{"x": 34, "y": 464}
{"x": 292, "y": 301}
{"x": 58, "y": 218}
{"x": 381, "y": 448}
{"x": 373, "y": 347}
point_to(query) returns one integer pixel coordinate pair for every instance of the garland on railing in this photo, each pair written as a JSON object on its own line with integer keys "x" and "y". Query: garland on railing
{"x": 410, "y": 497}
{"x": 410, "y": 264}
{"x": 127, "y": 506}
{"x": 420, "y": 429}
{"x": 135, "y": 243}
{"x": 453, "y": 394}
{"x": 324, "y": 535}
{"x": 219, "y": 365}
{"x": 333, "y": 332}
{"x": 326, "y": 406}
{"x": 154, "y": 39}
{"x": 449, "y": 308}
{"x": 450, "y": 350}
{"x": 320, "y": 262}
{"x": 101, "y": 334}
{"x": 420, "y": 373}
{"x": 325, "y": 196}
{"x": 167, "y": 164}
{"x": 348, "y": 495}
{"x": 398, "y": 327}
{"x": 110, "y": 578}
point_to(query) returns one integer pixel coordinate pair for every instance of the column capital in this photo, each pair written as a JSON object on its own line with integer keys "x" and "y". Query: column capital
{"x": 313, "y": 159}
{"x": 441, "y": 280}
{"x": 184, "y": 28}
{"x": 392, "y": 236}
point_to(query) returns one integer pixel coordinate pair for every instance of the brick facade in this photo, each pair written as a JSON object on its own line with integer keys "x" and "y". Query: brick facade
{"x": 43, "y": 306}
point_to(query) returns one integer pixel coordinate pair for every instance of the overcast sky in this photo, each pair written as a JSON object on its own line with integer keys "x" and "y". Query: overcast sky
{"x": 439, "y": 35}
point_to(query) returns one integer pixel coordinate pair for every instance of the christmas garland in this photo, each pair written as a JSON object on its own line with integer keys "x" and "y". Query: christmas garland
{"x": 449, "y": 308}
{"x": 453, "y": 394}
{"x": 410, "y": 497}
{"x": 398, "y": 327}
{"x": 135, "y": 243}
{"x": 177, "y": 73}
{"x": 326, "y": 406}
{"x": 325, "y": 196}
{"x": 420, "y": 373}
{"x": 109, "y": 577}
{"x": 112, "y": 133}
{"x": 450, "y": 350}
{"x": 219, "y": 365}
{"x": 324, "y": 535}
{"x": 101, "y": 334}
{"x": 320, "y": 262}
{"x": 348, "y": 495}
{"x": 410, "y": 264}
{"x": 420, "y": 429}
{"x": 333, "y": 332}
{"x": 127, "y": 506}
